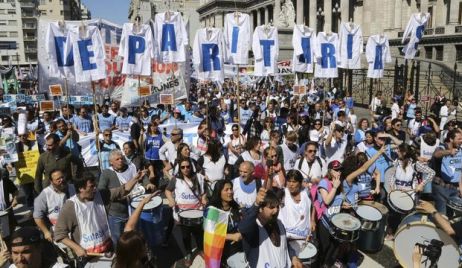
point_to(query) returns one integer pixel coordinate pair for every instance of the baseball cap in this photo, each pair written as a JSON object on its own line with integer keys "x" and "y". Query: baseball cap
{"x": 26, "y": 236}
{"x": 177, "y": 110}
{"x": 335, "y": 165}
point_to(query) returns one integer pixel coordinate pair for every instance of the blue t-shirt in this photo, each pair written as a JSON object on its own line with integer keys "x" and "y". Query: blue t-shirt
{"x": 105, "y": 122}
{"x": 123, "y": 123}
{"x": 152, "y": 145}
{"x": 411, "y": 110}
{"x": 83, "y": 124}
{"x": 382, "y": 163}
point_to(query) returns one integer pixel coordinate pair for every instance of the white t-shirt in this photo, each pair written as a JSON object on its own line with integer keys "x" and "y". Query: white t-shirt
{"x": 336, "y": 150}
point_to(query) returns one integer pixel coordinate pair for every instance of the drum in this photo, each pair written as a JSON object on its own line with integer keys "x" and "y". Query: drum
{"x": 191, "y": 217}
{"x": 418, "y": 228}
{"x": 401, "y": 202}
{"x": 371, "y": 240}
{"x": 305, "y": 251}
{"x": 4, "y": 224}
{"x": 237, "y": 260}
{"x": 99, "y": 262}
{"x": 455, "y": 203}
{"x": 154, "y": 203}
{"x": 389, "y": 173}
{"x": 369, "y": 216}
{"x": 345, "y": 227}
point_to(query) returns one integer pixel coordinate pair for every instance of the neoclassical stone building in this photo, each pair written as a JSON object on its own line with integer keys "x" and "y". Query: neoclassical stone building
{"x": 442, "y": 40}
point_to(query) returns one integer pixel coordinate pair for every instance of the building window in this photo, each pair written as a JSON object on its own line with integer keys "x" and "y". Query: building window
{"x": 8, "y": 45}
{"x": 13, "y": 34}
{"x": 439, "y": 53}
{"x": 11, "y": 11}
{"x": 5, "y": 58}
{"x": 14, "y": 58}
{"x": 3, "y": 34}
{"x": 62, "y": 12}
{"x": 3, "y": 22}
{"x": 458, "y": 52}
{"x": 43, "y": 12}
{"x": 12, "y": 23}
{"x": 429, "y": 53}
{"x": 429, "y": 23}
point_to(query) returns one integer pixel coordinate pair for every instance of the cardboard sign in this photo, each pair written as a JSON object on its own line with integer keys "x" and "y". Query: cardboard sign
{"x": 26, "y": 166}
{"x": 166, "y": 99}
{"x": 144, "y": 91}
{"x": 299, "y": 90}
{"x": 47, "y": 106}
{"x": 55, "y": 90}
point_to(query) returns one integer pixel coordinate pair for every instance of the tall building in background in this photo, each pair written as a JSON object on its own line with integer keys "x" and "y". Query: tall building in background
{"x": 147, "y": 9}
{"x": 18, "y": 26}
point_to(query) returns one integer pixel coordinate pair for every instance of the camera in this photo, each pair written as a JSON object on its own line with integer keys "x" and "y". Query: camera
{"x": 431, "y": 250}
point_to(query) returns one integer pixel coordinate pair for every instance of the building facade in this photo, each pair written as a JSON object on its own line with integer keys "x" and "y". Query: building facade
{"x": 18, "y": 26}
{"x": 442, "y": 40}
{"x": 147, "y": 9}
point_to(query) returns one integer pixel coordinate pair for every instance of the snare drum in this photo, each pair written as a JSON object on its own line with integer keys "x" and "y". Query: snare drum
{"x": 389, "y": 173}
{"x": 371, "y": 240}
{"x": 345, "y": 227}
{"x": 191, "y": 217}
{"x": 370, "y": 217}
{"x": 305, "y": 251}
{"x": 401, "y": 202}
{"x": 418, "y": 228}
{"x": 152, "y": 204}
{"x": 99, "y": 262}
{"x": 455, "y": 203}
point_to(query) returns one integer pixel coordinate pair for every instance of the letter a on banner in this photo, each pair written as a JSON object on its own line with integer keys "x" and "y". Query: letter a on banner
{"x": 136, "y": 47}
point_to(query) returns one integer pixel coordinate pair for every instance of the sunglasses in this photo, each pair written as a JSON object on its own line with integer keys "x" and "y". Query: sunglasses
{"x": 107, "y": 135}
{"x": 174, "y": 134}
{"x": 185, "y": 167}
{"x": 235, "y": 129}
{"x": 312, "y": 151}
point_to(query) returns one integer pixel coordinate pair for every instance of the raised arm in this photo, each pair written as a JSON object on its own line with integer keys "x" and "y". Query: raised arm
{"x": 366, "y": 165}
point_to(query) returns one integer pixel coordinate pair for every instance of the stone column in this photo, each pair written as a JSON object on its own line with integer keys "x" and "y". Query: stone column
{"x": 266, "y": 14}
{"x": 454, "y": 12}
{"x": 344, "y": 9}
{"x": 258, "y": 17}
{"x": 328, "y": 15}
{"x": 252, "y": 27}
{"x": 276, "y": 12}
{"x": 391, "y": 14}
{"x": 299, "y": 10}
{"x": 440, "y": 13}
{"x": 398, "y": 9}
{"x": 313, "y": 18}
{"x": 424, "y": 6}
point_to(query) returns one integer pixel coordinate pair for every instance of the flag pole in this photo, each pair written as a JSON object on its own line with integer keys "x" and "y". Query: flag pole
{"x": 96, "y": 125}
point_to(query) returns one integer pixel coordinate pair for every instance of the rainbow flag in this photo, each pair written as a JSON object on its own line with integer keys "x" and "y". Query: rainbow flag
{"x": 215, "y": 226}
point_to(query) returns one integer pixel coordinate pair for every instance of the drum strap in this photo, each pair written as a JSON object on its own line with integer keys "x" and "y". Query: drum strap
{"x": 194, "y": 192}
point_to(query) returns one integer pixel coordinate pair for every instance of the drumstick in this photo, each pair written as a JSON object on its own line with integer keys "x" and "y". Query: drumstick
{"x": 105, "y": 254}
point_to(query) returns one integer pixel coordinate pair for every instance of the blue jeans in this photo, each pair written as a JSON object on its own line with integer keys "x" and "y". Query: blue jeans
{"x": 116, "y": 225}
{"x": 441, "y": 196}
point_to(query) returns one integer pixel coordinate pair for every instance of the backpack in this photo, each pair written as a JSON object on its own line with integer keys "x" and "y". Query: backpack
{"x": 300, "y": 163}
{"x": 319, "y": 207}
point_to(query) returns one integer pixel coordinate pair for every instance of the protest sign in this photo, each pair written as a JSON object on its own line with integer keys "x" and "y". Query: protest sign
{"x": 26, "y": 166}
{"x": 47, "y": 106}
{"x": 8, "y": 145}
{"x": 166, "y": 99}
{"x": 56, "y": 90}
{"x": 144, "y": 91}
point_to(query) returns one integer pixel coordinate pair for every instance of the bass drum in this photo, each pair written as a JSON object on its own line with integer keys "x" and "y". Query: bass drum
{"x": 389, "y": 173}
{"x": 418, "y": 228}
{"x": 371, "y": 240}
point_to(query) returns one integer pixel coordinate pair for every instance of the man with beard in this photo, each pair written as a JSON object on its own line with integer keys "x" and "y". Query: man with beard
{"x": 50, "y": 201}
{"x": 29, "y": 251}
{"x": 56, "y": 157}
{"x": 415, "y": 124}
{"x": 264, "y": 236}
{"x": 296, "y": 213}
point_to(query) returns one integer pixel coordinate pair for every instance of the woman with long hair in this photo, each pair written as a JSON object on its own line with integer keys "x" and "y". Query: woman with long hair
{"x": 186, "y": 192}
{"x": 183, "y": 152}
{"x": 213, "y": 163}
{"x": 253, "y": 154}
{"x": 406, "y": 179}
{"x": 223, "y": 198}
{"x": 268, "y": 126}
{"x": 236, "y": 144}
{"x": 360, "y": 134}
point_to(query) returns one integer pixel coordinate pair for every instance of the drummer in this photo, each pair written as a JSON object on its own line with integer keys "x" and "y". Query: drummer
{"x": 406, "y": 179}
{"x": 117, "y": 174}
{"x": 367, "y": 190}
{"x": 185, "y": 192}
{"x": 50, "y": 201}
{"x": 296, "y": 213}
{"x": 73, "y": 227}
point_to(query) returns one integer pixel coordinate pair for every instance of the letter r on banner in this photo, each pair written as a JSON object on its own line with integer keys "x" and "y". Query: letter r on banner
{"x": 328, "y": 59}
{"x": 210, "y": 54}
{"x": 136, "y": 44}
{"x": 86, "y": 54}
{"x": 168, "y": 38}
{"x": 267, "y": 51}
{"x": 59, "y": 47}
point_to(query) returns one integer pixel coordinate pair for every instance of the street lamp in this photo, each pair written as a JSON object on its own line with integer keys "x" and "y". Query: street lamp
{"x": 320, "y": 17}
{"x": 335, "y": 16}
